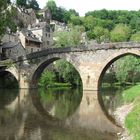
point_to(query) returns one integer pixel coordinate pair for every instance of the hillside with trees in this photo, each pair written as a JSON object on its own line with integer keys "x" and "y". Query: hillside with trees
{"x": 101, "y": 25}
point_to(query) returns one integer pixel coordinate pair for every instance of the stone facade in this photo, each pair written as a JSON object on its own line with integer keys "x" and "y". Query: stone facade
{"x": 26, "y": 16}
{"x": 38, "y": 35}
{"x": 91, "y": 62}
{"x": 10, "y": 37}
{"x": 12, "y": 50}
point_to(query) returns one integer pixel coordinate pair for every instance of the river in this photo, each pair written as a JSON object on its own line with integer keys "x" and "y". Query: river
{"x": 54, "y": 114}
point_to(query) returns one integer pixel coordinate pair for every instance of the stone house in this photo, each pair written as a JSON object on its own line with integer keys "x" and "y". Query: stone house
{"x": 36, "y": 34}
{"x": 29, "y": 41}
{"x": 26, "y": 16}
{"x": 11, "y": 50}
{"x": 10, "y": 37}
{"x": 39, "y": 35}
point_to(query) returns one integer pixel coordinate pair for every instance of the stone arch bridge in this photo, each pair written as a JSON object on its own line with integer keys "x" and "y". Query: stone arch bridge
{"x": 91, "y": 62}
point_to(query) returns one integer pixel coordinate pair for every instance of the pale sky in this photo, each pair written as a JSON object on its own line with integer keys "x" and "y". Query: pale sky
{"x": 83, "y": 6}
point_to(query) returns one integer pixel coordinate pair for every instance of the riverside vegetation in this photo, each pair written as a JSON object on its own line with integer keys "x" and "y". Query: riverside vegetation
{"x": 132, "y": 121}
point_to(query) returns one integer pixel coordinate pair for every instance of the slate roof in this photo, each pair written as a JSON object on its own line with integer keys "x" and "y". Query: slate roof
{"x": 7, "y": 45}
{"x": 30, "y": 36}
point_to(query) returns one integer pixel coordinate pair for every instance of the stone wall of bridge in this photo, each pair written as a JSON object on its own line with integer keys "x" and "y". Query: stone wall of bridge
{"x": 91, "y": 62}
{"x": 91, "y": 65}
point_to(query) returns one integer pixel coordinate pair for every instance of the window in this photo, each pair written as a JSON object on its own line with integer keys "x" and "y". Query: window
{"x": 48, "y": 43}
{"x": 31, "y": 50}
{"x": 47, "y": 29}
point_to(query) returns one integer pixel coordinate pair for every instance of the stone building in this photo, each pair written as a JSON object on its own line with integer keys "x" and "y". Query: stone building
{"x": 10, "y": 37}
{"x": 29, "y": 41}
{"x": 26, "y": 16}
{"x": 11, "y": 50}
{"x": 39, "y": 35}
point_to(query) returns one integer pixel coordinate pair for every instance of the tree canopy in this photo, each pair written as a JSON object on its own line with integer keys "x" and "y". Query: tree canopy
{"x": 121, "y": 32}
{"x": 3, "y": 5}
{"x": 33, "y": 4}
{"x": 28, "y": 4}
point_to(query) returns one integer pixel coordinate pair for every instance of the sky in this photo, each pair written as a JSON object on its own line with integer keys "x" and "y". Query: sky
{"x": 83, "y": 6}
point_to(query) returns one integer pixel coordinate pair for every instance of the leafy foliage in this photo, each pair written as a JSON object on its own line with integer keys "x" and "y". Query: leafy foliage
{"x": 33, "y": 4}
{"x": 135, "y": 37}
{"x": 71, "y": 37}
{"x": 3, "y": 5}
{"x": 21, "y": 3}
{"x": 101, "y": 34}
{"x": 121, "y": 32}
{"x": 127, "y": 68}
{"x": 47, "y": 78}
{"x": 68, "y": 72}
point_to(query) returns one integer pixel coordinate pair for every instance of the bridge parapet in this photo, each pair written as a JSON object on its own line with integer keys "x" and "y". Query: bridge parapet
{"x": 81, "y": 48}
{"x": 93, "y": 47}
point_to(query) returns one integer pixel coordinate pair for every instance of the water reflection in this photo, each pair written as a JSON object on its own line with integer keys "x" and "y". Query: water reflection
{"x": 60, "y": 115}
{"x": 6, "y": 97}
{"x": 112, "y": 99}
{"x": 60, "y": 103}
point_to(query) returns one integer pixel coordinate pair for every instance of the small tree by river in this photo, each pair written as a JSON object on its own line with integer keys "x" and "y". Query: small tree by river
{"x": 125, "y": 70}
{"x": 61, "y": 74}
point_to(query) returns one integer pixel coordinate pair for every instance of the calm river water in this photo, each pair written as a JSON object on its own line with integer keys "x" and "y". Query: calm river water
{"x": 56, "y": 114}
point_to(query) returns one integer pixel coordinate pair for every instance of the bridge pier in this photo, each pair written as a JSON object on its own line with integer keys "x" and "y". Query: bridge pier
{"x": 90, "y": 73}
{"x": 20, "y": 76}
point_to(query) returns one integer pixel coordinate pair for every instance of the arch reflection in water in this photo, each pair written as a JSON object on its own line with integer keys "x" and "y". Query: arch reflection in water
{"x": 7, "y": 97}
{"x": 60, "y": 103}
{"x": 12, "y": 113}
{"x": 87, "y": 122}
{"x": 26, "y": 119}
{"x": 112, "y": 98}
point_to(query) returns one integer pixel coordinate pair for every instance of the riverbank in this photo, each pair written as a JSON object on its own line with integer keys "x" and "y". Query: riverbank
{"x": 120, "y": 115}
{"x": 128, "y": 115}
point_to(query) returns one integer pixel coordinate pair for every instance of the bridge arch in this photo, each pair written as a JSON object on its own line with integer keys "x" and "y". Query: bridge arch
{"x": 12, "y": 73}
{"x": 19, "y": 76}
{"x": 48, "y": 60}
{"x": 113, "y": 58}
{"x": 105, "y": 65}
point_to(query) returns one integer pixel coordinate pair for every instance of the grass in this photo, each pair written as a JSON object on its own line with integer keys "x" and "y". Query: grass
{"x": 130, "y": 94}
{"x": 132, "y": 121}
{"x": 55, "y": 85}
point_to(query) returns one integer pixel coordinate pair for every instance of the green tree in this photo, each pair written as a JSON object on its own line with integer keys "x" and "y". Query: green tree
{"x": 69, "y": 38}
{"x": 21, "y": 2}
{"x": 3, "y": 5}
{"x": 89, "y": 22}
{"x": 53, "y": 8}
{"x": 126, "y": 68}
{"x": 8, "y": 1}
{"x": 47, "y": 78}
{"x": 101, "y": 34}
{"x": 9, "y": 20}
{"x": 75, "y": 20}
{"x": 121, "y": 32}
{"x": 33, "y": 4}
{"x": 68, "y": 72}
{"x": 73, "y": 12}
{"x": 135, "y": 37}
